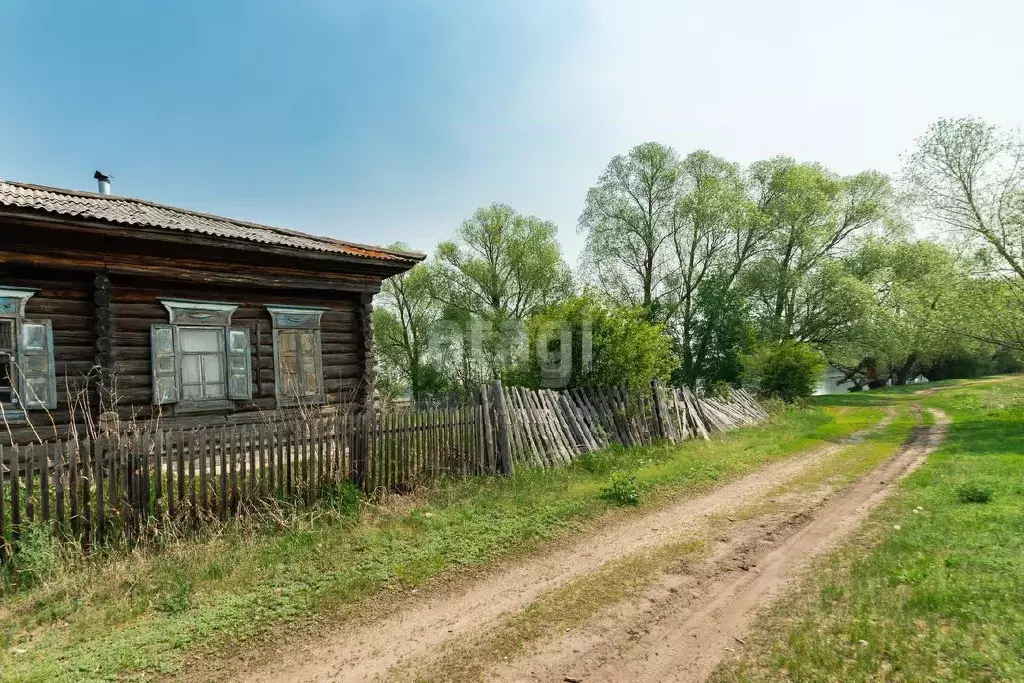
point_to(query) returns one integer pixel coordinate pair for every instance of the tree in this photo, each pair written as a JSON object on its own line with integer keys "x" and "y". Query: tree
{"x": 584, "y": 343}
{"x": 789, "y": 369}
{"x": 810, "y": 213}
{"x": 403, "y": 321}
{"x": 501, "y": 265}
{"x": 969, "y": 177}
{"x": 629, "y": 223}
{"x": 913, "y": 288}
{"x": 710, "y": 239}
{"x": 723, "y": 332}
{"x": 499, "y": 269}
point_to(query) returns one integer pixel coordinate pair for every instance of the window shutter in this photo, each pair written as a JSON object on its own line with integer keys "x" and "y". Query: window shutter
{"x": 35, "y": 360}
{"x": 239, "y": 363}
{"x": 163, "y": 348}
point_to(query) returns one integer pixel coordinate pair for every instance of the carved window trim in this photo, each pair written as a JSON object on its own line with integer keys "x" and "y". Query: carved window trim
{"x": 30, "y": 363}
{"x": 302, "y": 318}
{"x": 235, "y": 354}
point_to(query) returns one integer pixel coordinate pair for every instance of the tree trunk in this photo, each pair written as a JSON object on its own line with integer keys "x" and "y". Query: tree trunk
{"x": 902, "y": 372}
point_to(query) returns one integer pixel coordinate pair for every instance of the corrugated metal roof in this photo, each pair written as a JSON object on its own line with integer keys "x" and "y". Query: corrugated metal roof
{"x": 138, "y": 212}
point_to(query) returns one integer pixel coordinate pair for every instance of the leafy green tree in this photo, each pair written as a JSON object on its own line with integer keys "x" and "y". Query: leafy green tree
{"x": 405, "y": 316}
{"x": 811, "y": 213}
{"x": 711, "y": 241}
{"x": 968, "y": 176}
{"x": 789, "y": 370}
{"x": 609, "y": 347}
{"x": 498, "y": 270}
{"x": 914, "y": 285}
{"x": 629, "y": 224}
{"x": 501, "y": 265}
{"x": 722, "y": 332}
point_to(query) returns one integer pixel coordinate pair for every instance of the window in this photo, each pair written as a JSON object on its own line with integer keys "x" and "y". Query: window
{"x": 199, "y": 360}
{"x": 297, "y": 355}
{"x": 8, "y": 391}
{"x": 28, "y": 379}
{"x": 202, "y": 363}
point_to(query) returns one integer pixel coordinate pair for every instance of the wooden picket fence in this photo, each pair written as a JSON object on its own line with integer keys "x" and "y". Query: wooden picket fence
{"x": 125, "y": 486}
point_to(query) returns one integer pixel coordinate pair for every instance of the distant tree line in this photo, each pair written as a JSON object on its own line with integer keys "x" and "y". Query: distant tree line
{"x": 704, "y": 273}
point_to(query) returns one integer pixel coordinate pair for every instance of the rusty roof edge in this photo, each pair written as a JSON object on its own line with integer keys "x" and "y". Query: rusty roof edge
{"x": 408, "y": 255}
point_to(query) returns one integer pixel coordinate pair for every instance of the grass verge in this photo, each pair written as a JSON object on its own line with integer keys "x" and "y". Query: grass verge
{"x": 147, "y": 612}
{"x": 930, "y": 588}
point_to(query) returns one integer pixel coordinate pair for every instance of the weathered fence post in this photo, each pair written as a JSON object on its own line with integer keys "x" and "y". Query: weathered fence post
{"x": 660, "y": 430}
{"x": 504, "y": 450}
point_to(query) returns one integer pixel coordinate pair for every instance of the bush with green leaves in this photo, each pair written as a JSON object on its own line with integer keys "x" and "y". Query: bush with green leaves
{"x": 789, "y": 370}
{"x": 973, "y": 492}
{"x": 622, "y": 489}
{"x": 625, "y": 348}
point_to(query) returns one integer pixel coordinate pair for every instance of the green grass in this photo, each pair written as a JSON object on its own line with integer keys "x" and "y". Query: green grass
{"x": 932, "y": 587}
{"x": 143, "y": 613}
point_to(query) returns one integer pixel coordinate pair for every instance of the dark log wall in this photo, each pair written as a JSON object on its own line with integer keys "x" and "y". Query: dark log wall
{"x": 102, "y": 304}
{"x": 64, "y": 299}
{"x": 135, "y": 307}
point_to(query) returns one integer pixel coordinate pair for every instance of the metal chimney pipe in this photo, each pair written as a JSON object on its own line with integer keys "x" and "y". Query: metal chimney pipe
{"x": 104, "y": 181}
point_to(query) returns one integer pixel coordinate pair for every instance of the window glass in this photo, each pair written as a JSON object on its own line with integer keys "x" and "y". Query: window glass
{"x": 6, "y": 378}
{"x": 297, "y": 351}
{"x": 239, "y": 340}
{"x": 164, "y": 340}
{"x": 202, "y": 363}
{"x": 197, "y": 339}
{"x": 7, "y": 335}
{"x": 33, "y": 337}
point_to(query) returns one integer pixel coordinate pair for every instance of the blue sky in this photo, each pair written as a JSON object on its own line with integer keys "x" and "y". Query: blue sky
{"x": 380, "y": 121}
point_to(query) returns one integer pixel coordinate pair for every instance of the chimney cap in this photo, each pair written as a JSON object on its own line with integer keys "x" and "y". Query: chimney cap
{"x": 100, "y": 175}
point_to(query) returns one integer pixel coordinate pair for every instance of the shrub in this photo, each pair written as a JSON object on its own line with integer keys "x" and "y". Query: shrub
{"x": 622, "y": 489}
{"x": 626, "y": 348}
{"x": 973, "y": 492}
{"x": 789, "y": 370}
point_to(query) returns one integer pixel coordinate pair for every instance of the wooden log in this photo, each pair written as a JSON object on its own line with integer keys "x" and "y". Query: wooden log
{"x": 44, "y": 482}
{"x": 4, "y": 553}
{"x": 518, "y": 448}
{"x": 566, "y": 441}
{"x": 589, "y": 417}
{"x": 59, "y": 475}
{"x": 15, "y": 491}
{"x": 73, "y": 486}
{"x": 101, "y": 453}
{"x": 86, "y": 474}
{"x": 501, "y": 417}
{"x": 31, "y": 458}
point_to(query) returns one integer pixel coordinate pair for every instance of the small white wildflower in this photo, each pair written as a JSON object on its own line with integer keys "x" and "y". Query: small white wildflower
{"x": 896, "y": 527}
{"x": 916, "y": 512}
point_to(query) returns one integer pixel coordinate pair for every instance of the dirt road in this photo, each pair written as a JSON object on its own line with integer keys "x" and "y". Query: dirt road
{"x": 682, "y": 635}
{"x": 713, "y": 608}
